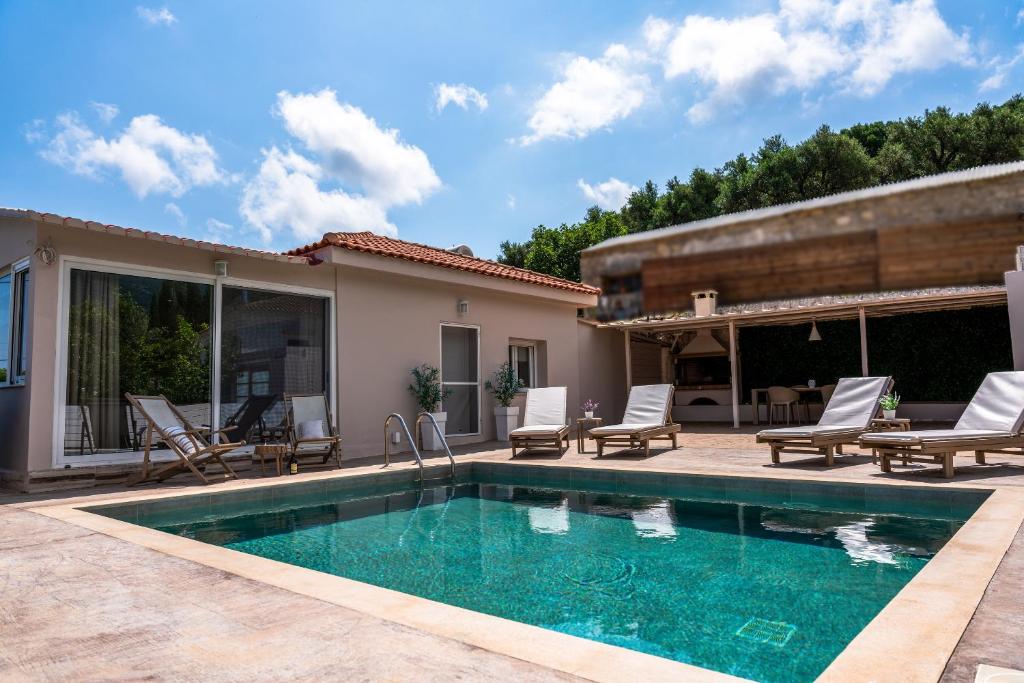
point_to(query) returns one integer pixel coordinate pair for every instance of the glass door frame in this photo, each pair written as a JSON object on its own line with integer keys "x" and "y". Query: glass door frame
{"x": 67, "y": 263}
{"x": 478, "y": 384}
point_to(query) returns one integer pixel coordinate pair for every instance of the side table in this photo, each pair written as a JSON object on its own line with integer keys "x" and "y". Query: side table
{"x": 275, "y": 451}
{"x": 581, "y": 433}
{"x": 897, "y": 424}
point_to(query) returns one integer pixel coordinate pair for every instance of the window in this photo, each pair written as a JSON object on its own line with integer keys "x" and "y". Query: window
{"x": 135, "y": 334}
{"x": 524, "y": 363}
{"x": 460, "y": 378}
{"x": 14, "y": 316}
{"x": 272, "y": 344}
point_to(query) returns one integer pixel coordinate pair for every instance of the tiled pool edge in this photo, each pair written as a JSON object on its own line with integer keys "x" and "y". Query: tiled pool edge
{"x": 945, "y": 594}
{"x": 920, "y": 628}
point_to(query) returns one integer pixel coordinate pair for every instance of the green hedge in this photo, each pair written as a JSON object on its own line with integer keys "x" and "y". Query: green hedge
{"x": 939, "y": 356}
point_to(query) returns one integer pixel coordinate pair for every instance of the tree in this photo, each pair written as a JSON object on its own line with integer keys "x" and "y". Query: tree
{"x": 825, "y": 163}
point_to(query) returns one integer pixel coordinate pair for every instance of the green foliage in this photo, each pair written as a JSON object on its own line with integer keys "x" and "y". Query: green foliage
{"x": 914, "y": 349}
{"x": 890, "y": 401}
{"x": 145, "y": 359}
{"x": 426, "y": 387}
{"x": 505, "y": 385}
{"x": 825, "y": 163}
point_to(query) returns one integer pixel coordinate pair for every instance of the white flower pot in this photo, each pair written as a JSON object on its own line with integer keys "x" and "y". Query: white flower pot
{"x": 889, "y": 414}
{"x": 429, "y": 437}
{"x": 588, "y": 413}
{"x": 506, "y": 420}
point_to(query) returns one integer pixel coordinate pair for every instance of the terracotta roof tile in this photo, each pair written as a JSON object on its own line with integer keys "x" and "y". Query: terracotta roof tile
{"x": 370, "y": 243}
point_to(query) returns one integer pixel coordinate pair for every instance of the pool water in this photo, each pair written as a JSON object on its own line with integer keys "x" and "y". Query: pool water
{"x": 771, "y": 591}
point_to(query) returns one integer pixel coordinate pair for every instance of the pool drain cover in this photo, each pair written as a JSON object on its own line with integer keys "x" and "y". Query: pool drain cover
{"x": 775, "y": 633}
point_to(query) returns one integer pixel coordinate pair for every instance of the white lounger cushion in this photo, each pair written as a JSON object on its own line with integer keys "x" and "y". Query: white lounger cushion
{"x": 998, "y": 405}
{"x": 647, "y": 408}
{"x": 851, "y": 408}
{"x": 648, "y": 404}
{"x": 529, "y": 430}
{"x": 812, "y": 430}
{"x": 854, "y": 402}
{"x": 545, "y": 407}
{"x": 932, "y": 435}
{"x": 610, "y": 430}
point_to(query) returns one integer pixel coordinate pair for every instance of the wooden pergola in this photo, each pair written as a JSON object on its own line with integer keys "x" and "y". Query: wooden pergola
{"x": 661, "y": 328}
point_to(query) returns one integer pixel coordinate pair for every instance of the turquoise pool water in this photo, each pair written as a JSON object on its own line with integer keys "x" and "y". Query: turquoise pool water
{"x": 770, "y": 590}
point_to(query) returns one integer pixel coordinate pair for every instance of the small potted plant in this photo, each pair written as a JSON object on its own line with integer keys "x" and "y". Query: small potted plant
{"x": 504, "y": 386}
{"x": 889, "y": 404}
{"x": 589, "y": 406}
{"x": 426, "y": 389}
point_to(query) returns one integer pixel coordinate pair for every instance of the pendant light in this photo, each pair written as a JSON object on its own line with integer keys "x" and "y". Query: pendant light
{"x": 815, "y": 335}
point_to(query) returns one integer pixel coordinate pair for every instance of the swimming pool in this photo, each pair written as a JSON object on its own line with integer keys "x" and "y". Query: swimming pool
{"x": 764, "y": 579}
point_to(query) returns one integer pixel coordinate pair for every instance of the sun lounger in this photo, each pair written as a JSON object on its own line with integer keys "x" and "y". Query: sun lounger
{"x": 165, "y": 422}
{"x": 310, "y": 427}
{"x": 544, "y": 423}
{"x": 849, "y": 412}
{"x": 991, "y": 423}
{"x": 647, "y": 417}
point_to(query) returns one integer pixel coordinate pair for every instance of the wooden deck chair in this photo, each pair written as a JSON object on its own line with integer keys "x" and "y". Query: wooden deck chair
{"x": 165, "y": 421}
{"x": 991, "y": 423}
{"x": 853, "y": 405}
{"x": 544, "y": 423}
{"x": 648, "y": 416}
{"x": 310, "y": 427}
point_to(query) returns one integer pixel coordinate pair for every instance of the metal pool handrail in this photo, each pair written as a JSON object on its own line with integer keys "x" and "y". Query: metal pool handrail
{"x": 412, "y": 442}
{"x": 440, "y": 435}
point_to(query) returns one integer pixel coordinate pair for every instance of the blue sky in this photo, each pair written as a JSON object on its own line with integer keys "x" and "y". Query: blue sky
{"x": 267, "y": 124}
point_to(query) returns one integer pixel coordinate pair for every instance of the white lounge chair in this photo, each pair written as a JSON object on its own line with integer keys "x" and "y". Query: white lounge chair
{"x": 647, "y": 417}
{"x": 849, "y": 412}
{"x": 310, "y": 427}
{"x": 544, "y": 424}
{"x": 165, "y": 422}
{"x": 991, "y": 423}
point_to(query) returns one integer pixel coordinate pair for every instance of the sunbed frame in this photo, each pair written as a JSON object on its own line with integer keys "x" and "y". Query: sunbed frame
{"x": 639, "y": 438}
{"x": 187, "y": 462}
{"x": 825, "y": 444}
{"x": 943, "y": 452}
{"x": 552, "y": 440}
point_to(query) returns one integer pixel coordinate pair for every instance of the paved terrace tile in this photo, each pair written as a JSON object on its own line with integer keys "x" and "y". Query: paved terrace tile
{"x": 78, "y": 605}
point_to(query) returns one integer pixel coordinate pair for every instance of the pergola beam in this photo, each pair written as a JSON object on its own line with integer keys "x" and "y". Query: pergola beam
{"x": 734, "y": 376}
{"x": 863, "y": 343}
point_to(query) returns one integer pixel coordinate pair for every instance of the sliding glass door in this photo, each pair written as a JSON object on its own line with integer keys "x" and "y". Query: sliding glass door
{"x": 460, "y": 378}
{"x": 272, "y": 344}
{"x": 140, "y": 335}
{"x": 147, "y": 333}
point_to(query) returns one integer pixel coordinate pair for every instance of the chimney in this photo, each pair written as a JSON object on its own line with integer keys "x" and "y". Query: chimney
{"x": 705, "y": 302}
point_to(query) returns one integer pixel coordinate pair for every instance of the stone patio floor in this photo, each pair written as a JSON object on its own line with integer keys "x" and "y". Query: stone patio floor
{"x": 78, "y": 605}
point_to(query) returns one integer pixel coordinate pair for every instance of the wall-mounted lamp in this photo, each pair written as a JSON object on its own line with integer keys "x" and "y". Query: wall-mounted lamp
{"x": 220, "y": 268}
{"x": 815, "y": 335}
{"x": 46, "y": 253}
{"x": 463, "y": 307}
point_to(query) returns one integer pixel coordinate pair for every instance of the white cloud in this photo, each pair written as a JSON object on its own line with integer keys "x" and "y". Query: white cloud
{"x": 106, "y": 112}
{"x": 371, "y": 168}
{"x": 156, "y": 16}
{"x": 860, "y": 45}
{"x": 151, "y": 157}
{"x": 609, "y": 195}
{"x": 592, "y": 94}
{"x": 1001, "y": 68}
{"x": 218, "y": 232}
{"x": 460, "y": 95}
{"x": 179, "y": 215}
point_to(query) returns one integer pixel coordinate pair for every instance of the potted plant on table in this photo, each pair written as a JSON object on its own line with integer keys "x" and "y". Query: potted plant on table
{"x": 889, "y": 403}
{"x": 505, "y": 386}
{"x": 589, "y": 406}
{"x": 426, "y": 389}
